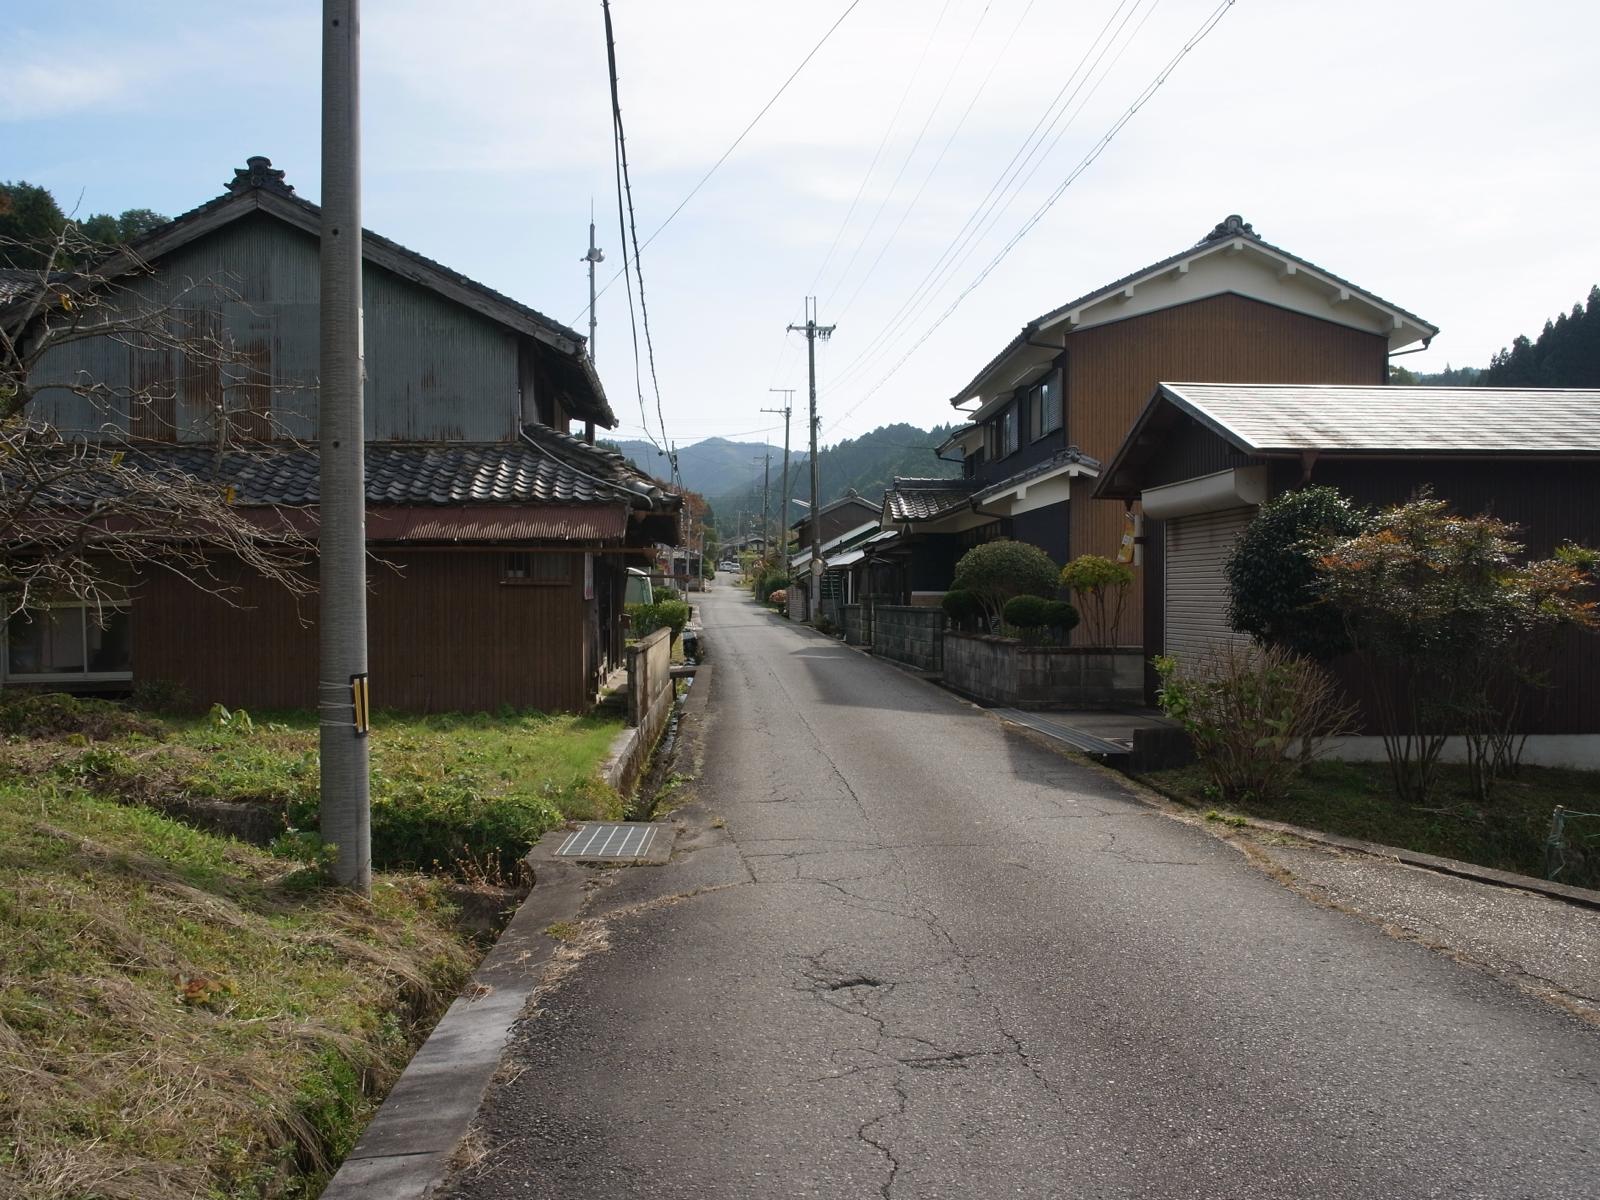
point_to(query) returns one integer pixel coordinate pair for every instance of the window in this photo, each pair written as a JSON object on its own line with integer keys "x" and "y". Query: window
{"x": 68, "y": 641}
{"x": 1044, "y": 407}
{"x": 1008, "y": 432}
{"x": 527, "y": 567}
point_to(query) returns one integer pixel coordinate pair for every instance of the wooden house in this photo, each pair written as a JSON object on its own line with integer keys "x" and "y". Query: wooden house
{"x": 1202, "y": 457}
{"x": 499, "y": 539}
{"x": 1055, "y": 403}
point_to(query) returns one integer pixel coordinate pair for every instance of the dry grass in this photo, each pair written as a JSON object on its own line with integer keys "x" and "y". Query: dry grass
{"x": 182, "y": 1015}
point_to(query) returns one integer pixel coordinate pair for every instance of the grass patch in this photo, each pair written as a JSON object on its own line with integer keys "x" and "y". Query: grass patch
{"x": 466, "y": 793}
{"x": 185, "y": 1015}
{"x": 1357, "y": 800}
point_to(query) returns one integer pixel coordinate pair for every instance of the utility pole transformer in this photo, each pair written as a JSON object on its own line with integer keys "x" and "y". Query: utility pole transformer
{"x": 813, "y": 331}
{"x": 342, "y": 703}
{"x": 788, "y": 401}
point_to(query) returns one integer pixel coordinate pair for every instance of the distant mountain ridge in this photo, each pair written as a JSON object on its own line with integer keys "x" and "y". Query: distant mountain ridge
{"x": 728, "y": 473}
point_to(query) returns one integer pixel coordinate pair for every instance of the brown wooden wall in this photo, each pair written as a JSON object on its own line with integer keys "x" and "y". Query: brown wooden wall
{"x": 1112, "y": 371}
{"x": 444, "y": 635}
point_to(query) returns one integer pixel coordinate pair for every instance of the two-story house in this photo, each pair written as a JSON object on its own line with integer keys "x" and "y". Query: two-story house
{"x": 1054, "y": 404}
{"x": 499, "y": 540}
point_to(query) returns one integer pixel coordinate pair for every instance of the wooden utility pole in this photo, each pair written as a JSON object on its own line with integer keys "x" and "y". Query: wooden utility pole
{"x": 813, "y": 331}
{"x": 342, "y": 697}
{"x": 788, "y": 401}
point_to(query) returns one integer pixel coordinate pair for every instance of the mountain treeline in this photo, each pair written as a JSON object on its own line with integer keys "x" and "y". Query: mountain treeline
{"x": 866, "y": 464}
{"x": 1566, "y": 354}
{"x": 31, "y": 220}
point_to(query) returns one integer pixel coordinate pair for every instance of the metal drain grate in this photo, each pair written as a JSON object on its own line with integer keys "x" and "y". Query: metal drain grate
{"x": 616, "y": 841}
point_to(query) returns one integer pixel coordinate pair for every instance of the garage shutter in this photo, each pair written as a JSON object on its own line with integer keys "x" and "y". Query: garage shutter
{"x": 1196, "y": 600}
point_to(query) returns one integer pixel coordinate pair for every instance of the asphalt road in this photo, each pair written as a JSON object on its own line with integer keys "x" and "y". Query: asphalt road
{"x": 928, "y": 958}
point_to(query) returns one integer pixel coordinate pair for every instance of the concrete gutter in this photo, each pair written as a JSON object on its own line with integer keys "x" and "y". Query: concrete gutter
{"x": 406, "y": 1150}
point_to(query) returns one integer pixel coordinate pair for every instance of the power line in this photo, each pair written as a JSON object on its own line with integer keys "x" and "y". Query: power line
{"x": 633, "y": 229}
{"x": 734, "y": 145}
{"x": 622, "y": 236}
{"x": 916, "y": 143}
{"x": 1001, "y": 192}
{"x": 882, "y": 142}
{"x": 943, "y": 151}
{"x": 1200, "y": 34}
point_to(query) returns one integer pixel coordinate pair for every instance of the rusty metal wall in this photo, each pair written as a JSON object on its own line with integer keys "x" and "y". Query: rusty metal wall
{"x": 436, "y": 371}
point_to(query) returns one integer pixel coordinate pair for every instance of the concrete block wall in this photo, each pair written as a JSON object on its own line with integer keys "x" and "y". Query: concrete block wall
{"x": 1005, "y": 671}
{"x": 911, "y": 635}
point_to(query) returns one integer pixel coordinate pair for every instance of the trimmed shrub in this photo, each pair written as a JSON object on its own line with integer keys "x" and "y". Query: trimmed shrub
{"x": 1026, "y": 613}
{"x": 647, "y": 618}
{"x": 1274, "y": 589}
{"x": 1256, "y": 715}
{"x": 1100, "y": 586}
{"x": 996, "y": 571}
{"x": 1061, "y": 617}
{"x": 780, "y": 598}
{"x": 961, "y": 607}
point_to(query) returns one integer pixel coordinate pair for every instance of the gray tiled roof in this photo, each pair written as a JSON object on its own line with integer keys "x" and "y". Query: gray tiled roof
{"x": 924, "y": 499}
{"x": 1262, "y": 418}
{"x": 559, "y": 470}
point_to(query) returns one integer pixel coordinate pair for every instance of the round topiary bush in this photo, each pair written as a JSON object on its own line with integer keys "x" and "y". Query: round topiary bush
{"x": 961, "y": 607}
{"x": 1061, "y": 617}
{"x": 996, "y": 571}
{"x": 1026, "y": 612}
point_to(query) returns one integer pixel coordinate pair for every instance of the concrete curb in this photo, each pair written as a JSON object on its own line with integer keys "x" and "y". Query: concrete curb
{"x": 1432, "y": 862}
{"x": 406, "y": 1150}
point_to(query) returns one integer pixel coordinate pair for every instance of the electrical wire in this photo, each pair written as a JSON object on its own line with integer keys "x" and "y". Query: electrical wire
{"x": 622, "y": 234}
{"x": 1099, "y": 147}
{"x": 916, "y": 144}
{"x": 633, "y": 229}
{"x": 743, "y": 133}
{"x": 1001, "y": 190}
{"x": 939, "y": 159}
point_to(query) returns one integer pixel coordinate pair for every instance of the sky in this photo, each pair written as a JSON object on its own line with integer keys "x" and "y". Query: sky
{"x": 1440, "y": 153}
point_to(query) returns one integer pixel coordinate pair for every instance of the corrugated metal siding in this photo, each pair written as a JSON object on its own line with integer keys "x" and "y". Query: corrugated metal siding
{"x": 1196, "y": 589}
{"x": 1112, "y": 371}
{"x": 435, "y": 370}
{"x": 444, "y": 635}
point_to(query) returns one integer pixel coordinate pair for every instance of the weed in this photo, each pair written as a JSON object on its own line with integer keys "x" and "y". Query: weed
{"x": 562, "y": 931}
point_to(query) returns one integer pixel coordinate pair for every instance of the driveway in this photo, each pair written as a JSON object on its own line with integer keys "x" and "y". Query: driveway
{"x": 905, "y": 952}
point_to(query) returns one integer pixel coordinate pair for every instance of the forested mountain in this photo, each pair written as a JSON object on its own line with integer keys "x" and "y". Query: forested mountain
{"x": 1566, "y": 354}
{"x": 729, "y": 474}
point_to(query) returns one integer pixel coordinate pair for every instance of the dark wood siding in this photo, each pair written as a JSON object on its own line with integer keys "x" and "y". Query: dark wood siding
{"x": 444, "y": 635}
{"x": 1551, "y": 502}
{"x": 1112, "y": 371}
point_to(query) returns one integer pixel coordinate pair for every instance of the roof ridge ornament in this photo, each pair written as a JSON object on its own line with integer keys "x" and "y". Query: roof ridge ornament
{"x": 1231, "y": 226}
{"x": 258, "y": 172}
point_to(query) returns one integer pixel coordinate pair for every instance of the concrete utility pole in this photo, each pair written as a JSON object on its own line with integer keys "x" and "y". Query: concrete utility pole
{"x": 788, "y": 401}
{"x": 813, "y": 331}
{"x": 342, "y": 697}
{"x": 766, "y": 504}
{"x": 594, "y": 256}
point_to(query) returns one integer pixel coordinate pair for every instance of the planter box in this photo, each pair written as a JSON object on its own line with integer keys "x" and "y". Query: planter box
{"x": 1005, "y": 671}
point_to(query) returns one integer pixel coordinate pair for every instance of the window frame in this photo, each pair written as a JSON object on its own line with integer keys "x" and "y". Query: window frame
{"x": 1036, "y": 407}
{"x": 508, "y": 579}
{"x": 82, "y": 607}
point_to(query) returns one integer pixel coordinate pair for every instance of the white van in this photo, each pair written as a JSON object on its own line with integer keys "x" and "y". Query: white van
{"x": 638, "y": 590}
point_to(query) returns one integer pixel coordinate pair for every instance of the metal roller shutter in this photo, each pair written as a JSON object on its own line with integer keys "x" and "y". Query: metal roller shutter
{"x": 1196, "y": 590}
